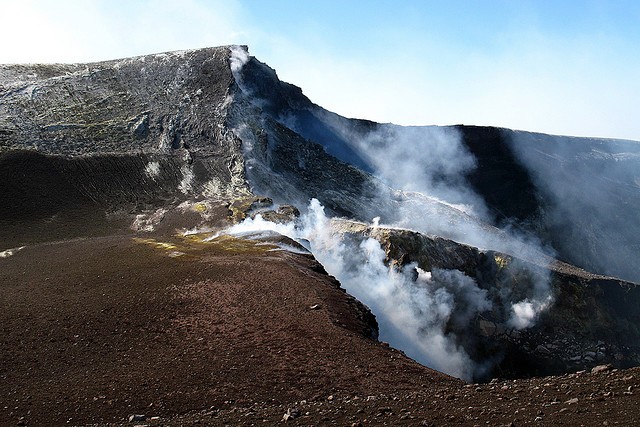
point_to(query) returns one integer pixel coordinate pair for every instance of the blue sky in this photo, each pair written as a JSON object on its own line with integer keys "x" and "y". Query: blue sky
{"x": 564, "y": 67}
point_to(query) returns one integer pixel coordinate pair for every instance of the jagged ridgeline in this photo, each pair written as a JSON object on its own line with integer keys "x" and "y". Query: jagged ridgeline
{"x": 528, "y": 243}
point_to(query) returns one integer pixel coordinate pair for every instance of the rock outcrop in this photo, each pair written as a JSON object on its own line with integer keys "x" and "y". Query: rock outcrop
{"x": 590, "y": 320}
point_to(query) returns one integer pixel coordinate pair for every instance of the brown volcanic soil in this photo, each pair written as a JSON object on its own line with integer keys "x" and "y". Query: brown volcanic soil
{"x": 94, "y": 330}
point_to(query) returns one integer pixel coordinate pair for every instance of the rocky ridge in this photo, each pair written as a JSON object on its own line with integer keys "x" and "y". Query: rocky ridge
{"x": 591, "y": 320}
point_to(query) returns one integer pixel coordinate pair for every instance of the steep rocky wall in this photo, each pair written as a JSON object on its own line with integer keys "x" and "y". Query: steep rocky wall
{"x": 579, "y": 196}
{"x": 591, "y": 193}
{"x": 591, "y": 320}
{"x": 87, "y": 140}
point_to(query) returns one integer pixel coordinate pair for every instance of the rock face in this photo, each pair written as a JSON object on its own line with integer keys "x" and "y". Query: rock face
{"x": 118, "y": 135}
{"x": 154, "y": 103}
{"x": 592, "y": 319}
{"x": 86, "y": 149}
{"x": 590, "y": 192}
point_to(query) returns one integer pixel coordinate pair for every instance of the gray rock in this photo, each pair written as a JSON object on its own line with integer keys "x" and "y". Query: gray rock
{"x": 291, "y": 414}
{"x": 601, "y": 368}
{"x": 137, "y": 418}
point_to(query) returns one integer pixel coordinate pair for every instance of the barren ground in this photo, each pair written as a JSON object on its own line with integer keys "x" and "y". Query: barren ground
{"x": 232, "y": 333}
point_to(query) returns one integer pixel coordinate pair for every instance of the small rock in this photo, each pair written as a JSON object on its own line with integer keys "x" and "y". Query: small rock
{"x": 330, "y": 398}
{"x": 601, "y": 368}
{"x": 137, "y": 418}
{"x": 315, "y": 307}
{"x": 572, "y": 401}
{"x": 291, "y": 414}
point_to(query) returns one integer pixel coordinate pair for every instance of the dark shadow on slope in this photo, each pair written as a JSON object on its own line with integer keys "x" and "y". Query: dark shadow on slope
{"x": 45, "y": 198}
{"x": 287, "y": 104}
{"x": 499, "y": 178}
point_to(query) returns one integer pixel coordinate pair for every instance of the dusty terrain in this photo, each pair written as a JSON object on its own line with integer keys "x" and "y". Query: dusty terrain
{"x": 95, "y": 329}
{"x": 232, "y": 332}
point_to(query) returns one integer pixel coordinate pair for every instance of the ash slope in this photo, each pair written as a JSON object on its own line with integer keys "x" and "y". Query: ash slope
{"x": 88, "y": 149}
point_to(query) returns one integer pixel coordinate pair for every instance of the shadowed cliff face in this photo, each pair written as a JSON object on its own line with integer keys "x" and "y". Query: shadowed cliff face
{"x": 577, "y": 197}
{"x": 89, "y": 149}
{"x": 58, "y": 197}
{"x": 591, "y": 189}
{"x": 503, "y": 182}
{"x": 591, "y": 319}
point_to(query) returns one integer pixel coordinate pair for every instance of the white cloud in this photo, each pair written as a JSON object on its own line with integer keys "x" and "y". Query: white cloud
{"x": 81, "y": 31}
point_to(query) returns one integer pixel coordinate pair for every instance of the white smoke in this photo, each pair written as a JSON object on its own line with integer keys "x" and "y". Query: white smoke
{"x": 426, "y": 168}
{"x": 429, "y": 165}
{"x": 152, "y": 169}
{"x": 413, "y": 314}
{"x": 186, "y": 183}
{"x": 428, "y": 160}
{"x": 592, "y": 191}
{"x": 421, "y": 178}
{"x": 239, "y": 57}
{"x": 525, "y": 312}
{"x": 10, "y": 252}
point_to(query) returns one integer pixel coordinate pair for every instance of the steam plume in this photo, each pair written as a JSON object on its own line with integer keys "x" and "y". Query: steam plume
{"x": 420, "y": 177}
{"x": 415, "y": 314}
